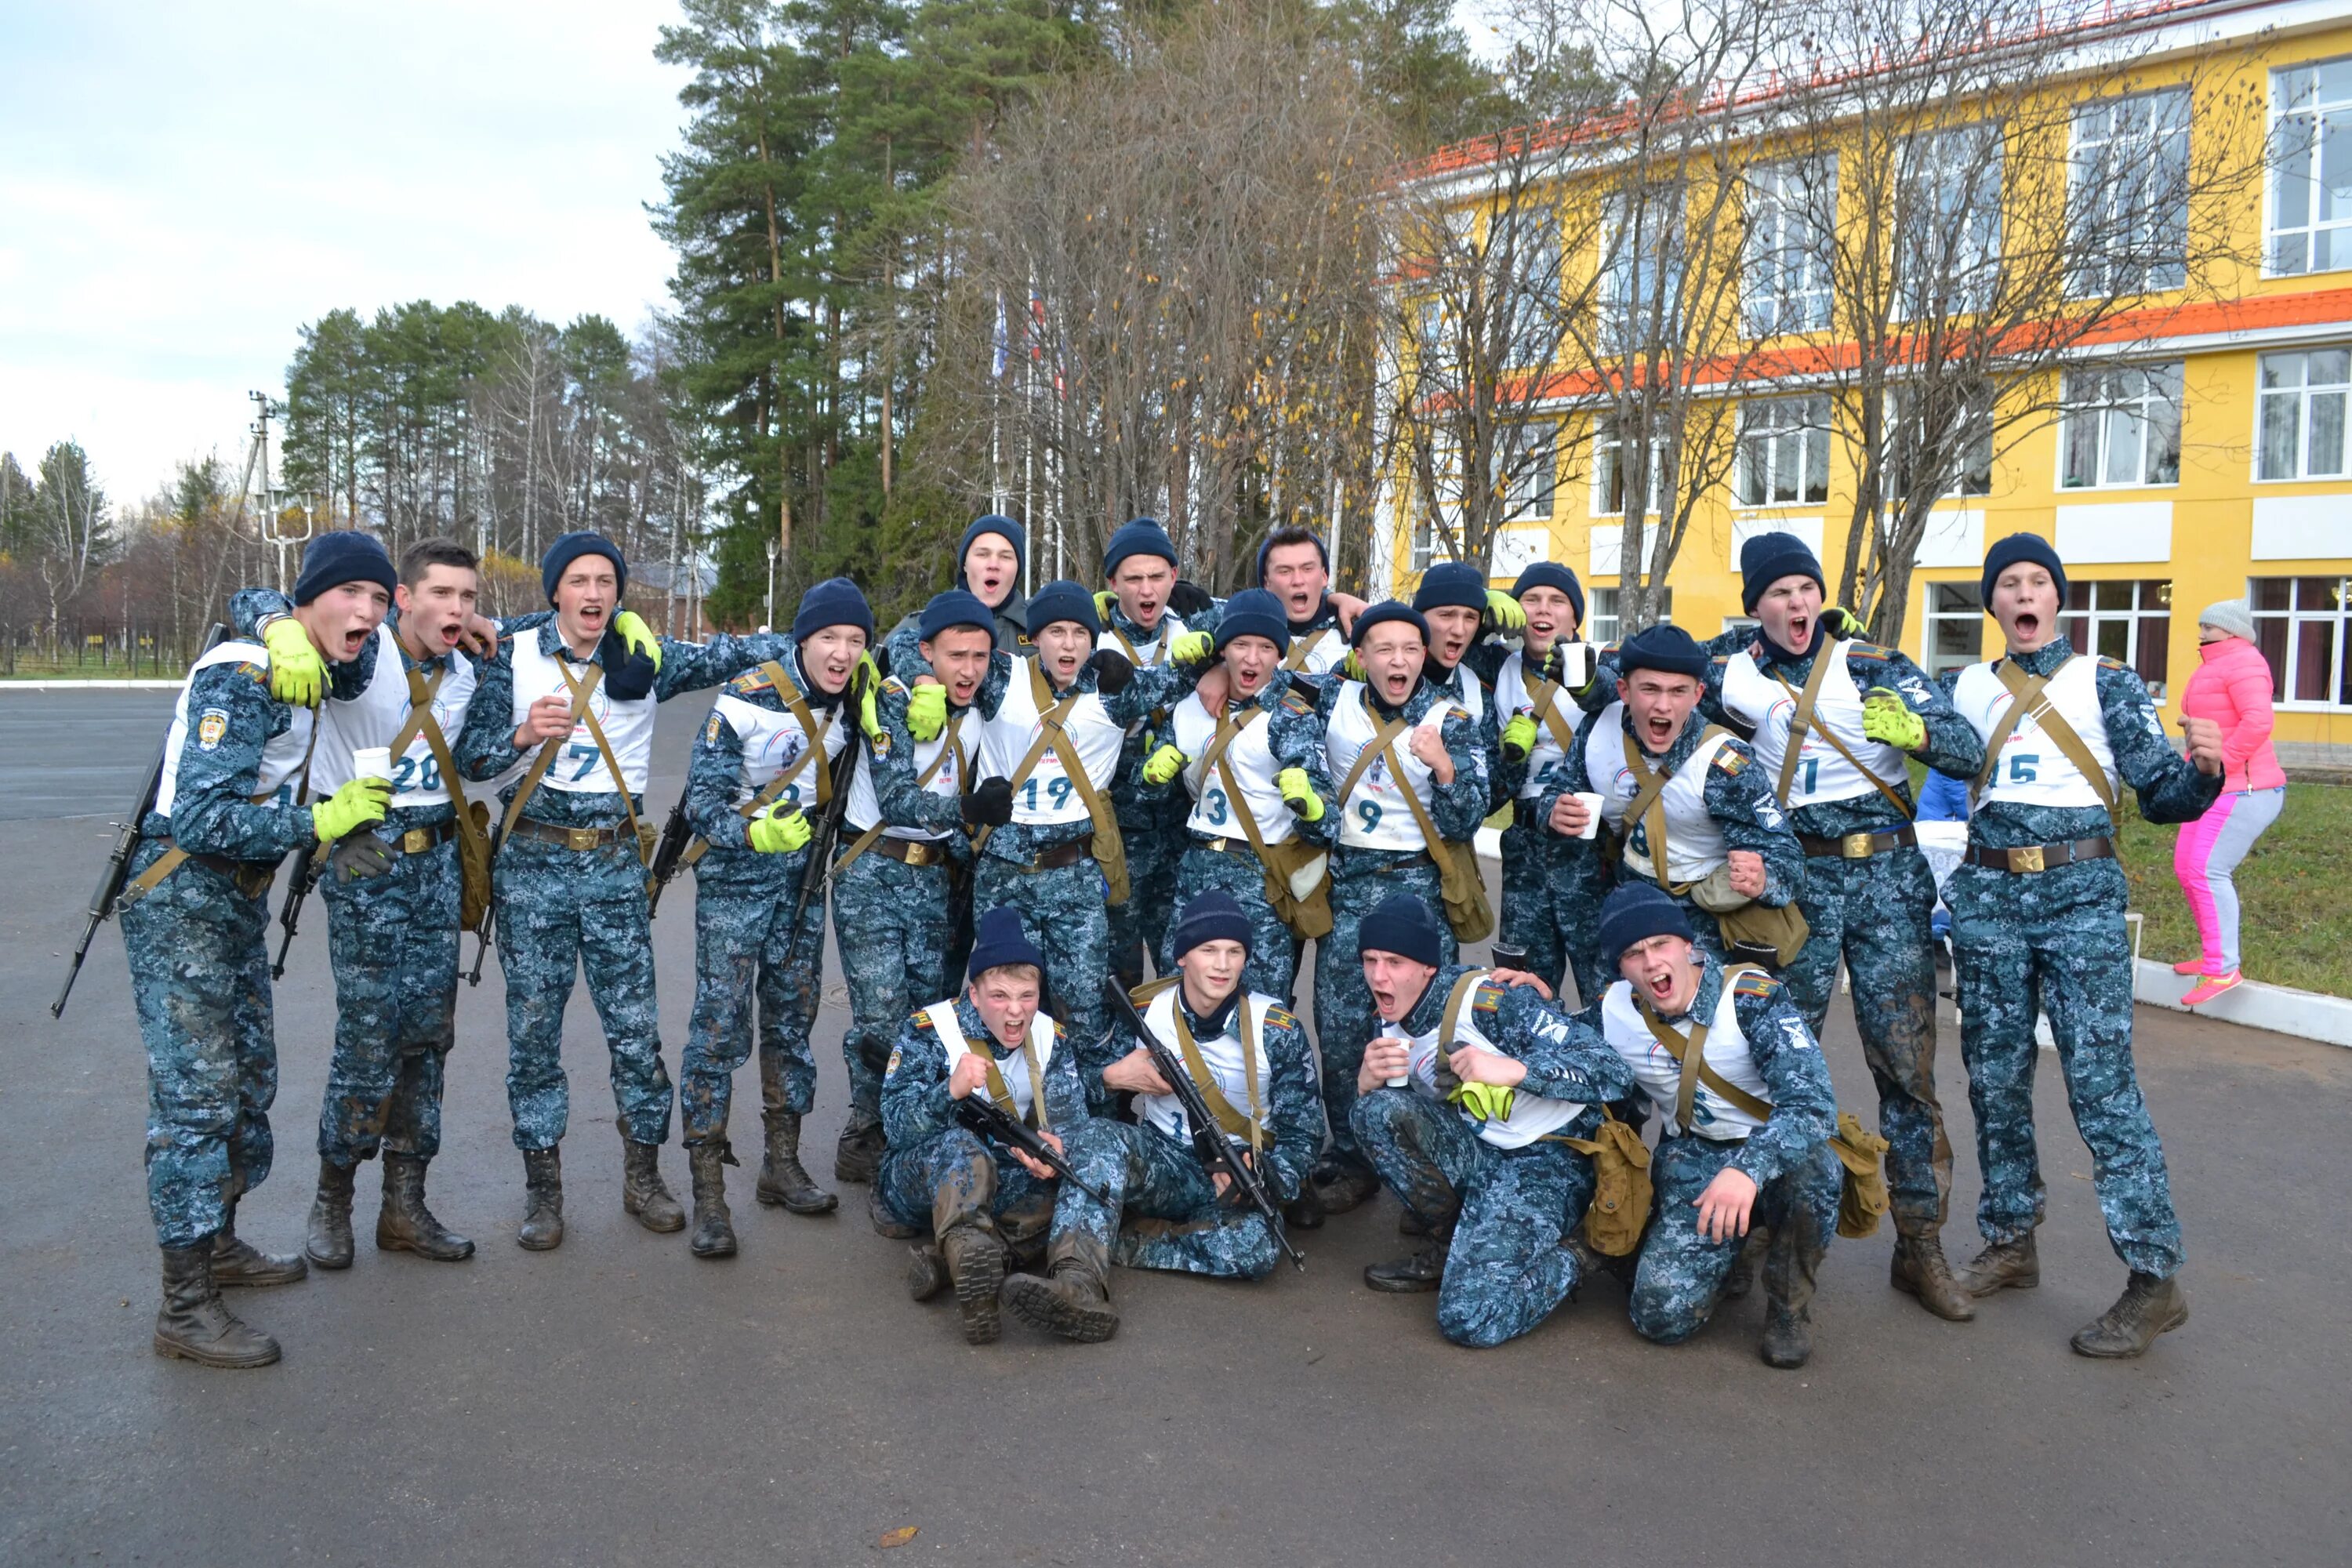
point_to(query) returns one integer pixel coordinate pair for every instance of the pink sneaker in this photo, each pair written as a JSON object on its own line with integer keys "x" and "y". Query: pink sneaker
{"x": 2189, "y": 966}
{"x": 2214, "y": 985}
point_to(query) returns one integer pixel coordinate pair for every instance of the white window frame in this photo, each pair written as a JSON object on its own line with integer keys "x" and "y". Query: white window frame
{"x": 2285, "y": 668}
{"x": 2150, "y": 601}
{"x": 1771, "y": 429}
{"x": 2311, "y": 236}
{"x": 1965, "y": 608}
{"x": 1962, "y": 486}
{"x": 2334, "y": 396}
{"x": 1606, "y": 446}
{"x": 2103, "y": 406}
{"x": 1533, "y": 495}
{"x": 1631, "y": 277}
{"x": 1976, "y": 254}
{"x": 1603, "y": 625}
{"x": 1534, "y": 271}
{"x": 1423, "y": 543}
{"x": 2121, "y": 147}
{"x": 1785, "y": 276}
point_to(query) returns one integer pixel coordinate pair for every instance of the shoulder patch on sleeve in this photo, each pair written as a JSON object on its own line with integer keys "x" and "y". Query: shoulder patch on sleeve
{"x": 1730, "y": 759}
{"x": 892, "y": 1065}
{"x": 1867, "y": 650}
{"x": 748, "y": 682}
{"x": 1460, "y": 713}
{"x": 211, "y": 726}
{"x": 2106, "y": 663}
{"x": 1488, "y": 997}
{"x": 1280, "y": 1018}
{"x": 921, "y": 1021}
{"x": 1296, "y": 703}
{"x": 256, "y": 673}
{"x": 894, "y": 686}
{"x": 1756, "y": 983}
{"x": 881, "y": 744}
{"x": 1723, "y": 660}
{"x": 712, "y": 726}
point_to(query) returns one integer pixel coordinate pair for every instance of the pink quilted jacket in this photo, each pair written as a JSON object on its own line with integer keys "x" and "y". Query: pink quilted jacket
{"x": 2232, "y": 687}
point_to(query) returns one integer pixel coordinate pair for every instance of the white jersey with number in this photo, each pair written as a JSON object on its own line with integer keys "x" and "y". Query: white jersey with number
{"x": 579, "y": 767}
{"x": 1222, "y": 1057}
{"x": 1376, "y": 816}
{"x": 1512, "y": 698}
{"x": 1047, "y": 799}
{"x": 377, "y": 715}
{"x": 1694, "y": 844}
{"x": 1660, "y": 1076}
{"x": 1014, "y": 1068}
{"x": 1532, "y": 1115}
{"x": 1822, "y": 773}
{"x": 281, "y": 755}
{"x": 774, "y": 740}
{"x": 1250, "y": 758}
{"x": 864, "y": 808}
{"x": 2035, "y": 769}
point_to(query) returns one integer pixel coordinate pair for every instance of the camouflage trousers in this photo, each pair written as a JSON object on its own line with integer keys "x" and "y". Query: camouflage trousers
{"x": 1552, "y": 889}
{"x": 890, "y": 921}
{"x": 2054, "y": 942}
{"x": 742, "y": 930}
{"x": 1139, "y": 927}
{"x": 1874, "y": 913}
{"x": 1164, "y": 1212}
{"x": 1679, "y": 1276}
{"x": 1271, "y": 949}
{"x": 1062, "y": 911}
{"x": 955, "y": 1178}
{"x": 392, "y": 942}
{"x": 561, "y": 910}
{"x": 1344, "y": 1019}
{"x": 1505, "y": 1270}
{"x": 199, "y": 959}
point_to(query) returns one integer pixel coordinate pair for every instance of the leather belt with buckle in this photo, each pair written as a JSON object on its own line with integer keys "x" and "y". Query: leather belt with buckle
{"x": 1859, "y": 845}
{"x": 912, "y": 851}
{"x": 251, "y": 878}
{"x": 1404, "y": 863}
{"x": 2026, "y": 857}
{"x": 1061, "y": 855}
{"x": 417, "y": 840}
{"x": 579, "y": 840}
{"x": 1221, "y": 846}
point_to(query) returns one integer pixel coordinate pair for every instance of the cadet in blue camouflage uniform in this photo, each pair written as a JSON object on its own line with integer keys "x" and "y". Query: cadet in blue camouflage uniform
{"x": 1461, "y": 611}
{"x": 2037, "y": 909}
{"x": 977, "y": 1197}
{"x": 1379, "y": 849}
{"x": 1751, "y": 1149}
{"x": 768, "y": 751}
{"x": 891, "y": 902}
{"x": 194, "y": 915}
{"x": 569, "y": 880}
{"x": 1166, "y": 1211}
{"x": 1466, "y": 1117}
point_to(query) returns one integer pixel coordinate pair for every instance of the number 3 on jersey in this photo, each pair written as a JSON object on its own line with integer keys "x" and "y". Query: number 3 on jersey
{"x": 1213, "y": 803}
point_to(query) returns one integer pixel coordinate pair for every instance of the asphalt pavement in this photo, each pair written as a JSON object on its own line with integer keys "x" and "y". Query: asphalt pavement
{"x": 619, "y": 1401}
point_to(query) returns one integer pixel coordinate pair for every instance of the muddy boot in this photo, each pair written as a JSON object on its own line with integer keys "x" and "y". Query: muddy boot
{"x": 714, "y": 1227}
{"x": 783, "y": 1179}
{"x": 194, "y": 1325}
{"x": 642, "y": 1191}
{"x": 1303, "y": 1212}
{"x": 328, "y": 1241}
{"x": 2148, "y": 1307}
{"x": 1422, "y": 1271}
{"x": 1918, "y": 1268}
{"x": 2003, "y": 1266}
{"x": 858, "y": 1156}
{"x": 240, "y": 1264}
{"x": 542, "y": 1202}
{"x": 1791, "y": 1265}
{"x": 927, "y": 1271}
{"x": 406, "y": 1225}
{"x": 975, "y": 1264}
{"x": 1742, "y": 1277}
{"x": 1074, "y": 1299}
{"x": 1343, "y": 1182}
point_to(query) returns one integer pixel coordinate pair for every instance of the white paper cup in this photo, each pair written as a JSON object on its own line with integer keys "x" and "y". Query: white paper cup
{"x": 372, "y": 762}
{"x": 1591, "y": 812}
{"x": 1575, "y": 664}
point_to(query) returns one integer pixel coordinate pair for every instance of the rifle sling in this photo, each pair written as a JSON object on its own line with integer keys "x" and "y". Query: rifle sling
{"x": 1196, "y": 1067}
{"x": 796, "y": 702}
{"x": 1048, "y": 726}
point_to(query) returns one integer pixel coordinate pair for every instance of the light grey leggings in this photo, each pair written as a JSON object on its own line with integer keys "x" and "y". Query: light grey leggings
{"x": 2207, "y": 851}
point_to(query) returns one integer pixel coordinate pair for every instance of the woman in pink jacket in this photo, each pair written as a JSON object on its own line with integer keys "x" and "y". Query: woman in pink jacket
{"x": 2232, "y": 687}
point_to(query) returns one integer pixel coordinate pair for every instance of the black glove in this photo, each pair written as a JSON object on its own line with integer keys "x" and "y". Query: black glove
{"x": 1188, "y": 598}
{"x": 989, "y": 804}
{"x": 358, "y": 855}
{"x": 1113, "y": 669}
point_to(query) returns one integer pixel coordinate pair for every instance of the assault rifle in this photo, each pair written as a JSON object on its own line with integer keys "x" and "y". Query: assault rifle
{"x": 103, "y": 903}
{"x": 1209, "y": 1141}
{"x": 303, "y": 877}
{"x": 828, "y": 825}
{"x": 985, "y": 1119}
{"x": 489, "y": 923}
{"x": 677, "y": 833}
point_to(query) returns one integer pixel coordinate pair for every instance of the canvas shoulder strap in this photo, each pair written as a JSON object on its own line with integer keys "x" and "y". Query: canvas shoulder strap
{"x": 579, "y": 690}
{"x": 1383, "y": 736}
{"x": 2026, "y": 696}
{"x": 1251, "y": 1126}
{"x": 421, "y": 693}
{"x": 1226, "y": 736}
{"x": 540, "y": 764}
{"x": 865, "y": 841}
{"x": 1450, "y": 1022}
{"x": 1546, "y": 710}
{"x": 172, "y": 859}
{"x": 1803, "y": 718}
{"x": 1647, "y": 805}
{"x": 1049, "y": 716}
{"x": 1300, "y": 647}
{"x": 1690, "y": 1053}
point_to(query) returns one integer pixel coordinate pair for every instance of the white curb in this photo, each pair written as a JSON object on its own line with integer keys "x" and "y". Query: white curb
{"x": 90, "y": 685}
{"x": 2324, "y": 1020}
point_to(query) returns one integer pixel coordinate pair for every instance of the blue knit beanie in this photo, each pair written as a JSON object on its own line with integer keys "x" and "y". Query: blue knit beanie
{"x": 1063, "y": 600}
{"x": 1255, "y": 613}
{"x": 570, "y": 547}
{"x": 835, "y": 602}
{"x": 1552, "y": 575}
{"x": 2019, "y": 547}
{"x": 1012, "y": 532}
{"x": 956, "y": 607}
{"x": 1212, "y": 916}
{"x": 1662, "y": 648}
{"x": 1404, "y": 924}
{"x": 1385, "y": 611}
{"x": 1636, "y": 911}
{"x": 1767, "y": 558}
{"x": 1144, "y": 536}
{"x": 346, "y": 555}
{"x": 1451, "y": 583}
{"x": 998, "y": 939}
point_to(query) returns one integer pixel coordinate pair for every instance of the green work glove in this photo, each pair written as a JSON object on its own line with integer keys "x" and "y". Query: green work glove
{"x": 1503, "y": 611}
{"x": 637, "y": 635}
{"x": 1163, "y": 765}
{"x": 296, "y": 671}
{"x": 1841, "y": 622}
{"x": 1299, "y": 794}
{"x": 865, "y": 681}
{"x": 1520, "y": 738}
{"x": 1192, "y": 647}
{"x": 926, "y": 712}
{"x": 1104, "y": 603}
{"x": 1485, "y": 1101}
{"x": 779, "y": 830}
{"x": 350, "y": 808}
{"x": 1890, "y": 721}
{"x": 1350, "y": 668}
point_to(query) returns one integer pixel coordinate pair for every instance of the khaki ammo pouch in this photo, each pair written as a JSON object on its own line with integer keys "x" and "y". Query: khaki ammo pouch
{"x": 473, "y": 817}
{"x": 1750, "y": 932}
{"x": 767, "y": 794}
{"x": 2025, "y": 697}
{"x": 1755, "y": 933}
{"x": 1621, "y": 1190}
{"x": 1460, "y": 884}
{"x": 1108, "y": 848}
{"x": 1297, "y": 873}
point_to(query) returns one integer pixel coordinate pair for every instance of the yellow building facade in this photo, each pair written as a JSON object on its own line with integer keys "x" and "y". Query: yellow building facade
{"x": 2218, "y": 463}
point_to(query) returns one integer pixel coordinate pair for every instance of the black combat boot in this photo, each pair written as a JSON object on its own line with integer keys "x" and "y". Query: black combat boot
{"x": 327, "y": 1242}
{"x": 642, "y": 1191}
{"x": 1791, "y": 1263}
{"x": 927, "y": 1271}
{"x": 714, "y": 1227}
{"x": 975, "y": 1263}
{"x": 2148, "y": 1307}
{"x": 2003, "y": 1266}
{"x": 1918, "y": 1268}
{"x": 1343, "y": 1182}
{"x": 1073, "y": 1300}
{"x": 241, "y": 1264}
{"x": 858, "y": 1156}
{"x": 543, "y": 1200}
{"x": 406, "y": 1225}
{"x": 1303, "y": 1212}
{"x": 783, "y": 1179}
{"x": 1742, "y": 1277}
{"x": 1422, "y": 1271}
{"x": 194, "y": 1326}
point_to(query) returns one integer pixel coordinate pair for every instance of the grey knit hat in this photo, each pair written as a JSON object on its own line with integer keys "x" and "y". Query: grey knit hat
{"x": 2228, "y": 616}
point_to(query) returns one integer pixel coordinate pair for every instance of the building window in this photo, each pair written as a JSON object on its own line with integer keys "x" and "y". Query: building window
{"x": 2302, "y": 398}
{"x": 1534, "y": 261}
{"x": 1641, "y": 264}
{"x": 2128, "y": 188}
{"x": 1608, "y": 474}
{"x": 1955, "y": 627}
{"x": 1784, "y": 451}
{"x": 1964, "y": 429}
{"x": 2122, "y": 426}
{"x": 1424, "y": 541}
{"x": 2302, "y": 624}
{"x": 2128, "y": 622}
{"x": 1947, "y": 222}
{"x": 1785, "y": 286}
{"x": 1525, "y": 470}
{"x": 1604, "y": 626}
{"x": 2311, "y": 168}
